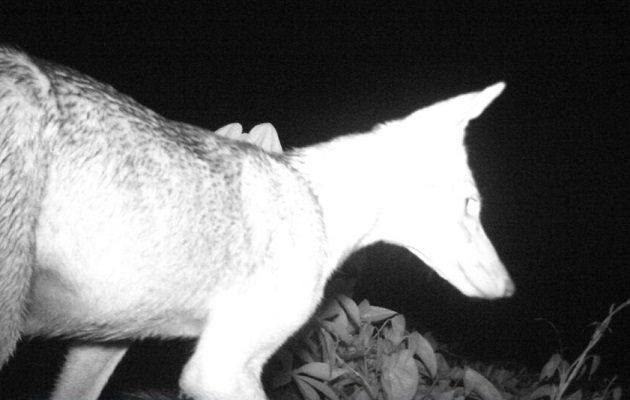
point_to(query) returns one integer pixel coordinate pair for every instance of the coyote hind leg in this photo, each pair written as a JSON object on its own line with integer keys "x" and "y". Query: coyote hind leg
{"x": 87, "y": 369}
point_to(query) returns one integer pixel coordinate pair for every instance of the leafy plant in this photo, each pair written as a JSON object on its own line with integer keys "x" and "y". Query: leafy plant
{"x": 363, "y": 352}
{"x": 561, "y": 375}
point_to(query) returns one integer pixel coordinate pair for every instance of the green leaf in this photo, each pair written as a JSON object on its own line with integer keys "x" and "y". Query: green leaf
{"x": 423, "y": 349}
{"x": 361, "y": 394}
{"x": 581, "y": 371}
{"x": 385, "y": 346}
{"x": 443, "y": 367}
{"x": 280, "y": 379}
{"x": 364, "y": 307}
{"x": 305, "y": 388}
{"x": 283, "y": 375}
{"x": 330, "y": 309}
{"x": 544, "y": 391}
{"x": 564, "y": 366}
{"x": 365, "y": 336}
{"x": 321, "y": 371}
{"x": 375, "y": 314}
{"x": 594, "y": 365}
{"x": 616, "y": 393}
{"x": 397, "y": 331}
{"x": 447, "y": 395}
{"x": 330, "y": 346}
{"x": 474, "y": 381}
{"x": 456, "y": 374}
{"x": 577, "y": 395}
{"x": 340, "y": 327}
{"x": 351, "y": 308}
{"x": 304, "y": 355}
{"x": 399, "y": 375}
{"x": 550, "y": 368}
{"x": 322, "y": 387}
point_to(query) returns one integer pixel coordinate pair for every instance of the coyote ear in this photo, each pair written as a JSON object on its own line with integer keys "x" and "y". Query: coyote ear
{"x": 266, "y": 137}
{"x": 458, "y": 110}
{"x": 463, "y": 108}
{"x": 232, "y": 131}
{"x": 479, "y": 101}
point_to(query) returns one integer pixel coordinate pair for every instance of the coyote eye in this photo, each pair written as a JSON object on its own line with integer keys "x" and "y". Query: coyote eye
{"x": 473, "y": 206}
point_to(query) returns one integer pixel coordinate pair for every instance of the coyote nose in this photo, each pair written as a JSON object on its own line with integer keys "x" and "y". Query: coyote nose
{"x": 509, "y": 289}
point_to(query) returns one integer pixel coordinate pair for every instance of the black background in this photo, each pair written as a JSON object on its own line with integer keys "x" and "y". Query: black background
{"x": 550, "y": 155}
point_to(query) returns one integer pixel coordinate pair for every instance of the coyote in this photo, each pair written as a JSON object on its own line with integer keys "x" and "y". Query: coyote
{"x": 117, "y": 224}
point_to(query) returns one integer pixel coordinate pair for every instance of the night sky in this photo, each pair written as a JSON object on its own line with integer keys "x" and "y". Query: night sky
{"x": 550, "y": 155}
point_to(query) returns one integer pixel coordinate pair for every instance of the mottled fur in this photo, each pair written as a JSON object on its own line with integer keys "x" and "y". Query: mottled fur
{"x": 120, "y": 224}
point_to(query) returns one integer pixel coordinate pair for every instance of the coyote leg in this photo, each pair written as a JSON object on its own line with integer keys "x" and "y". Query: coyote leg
{"x": 87, "y": 369}
{"x": 244, "y": 329}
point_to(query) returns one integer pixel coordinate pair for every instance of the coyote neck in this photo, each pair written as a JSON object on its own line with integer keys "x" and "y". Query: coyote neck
{"x": 348, "y": 185}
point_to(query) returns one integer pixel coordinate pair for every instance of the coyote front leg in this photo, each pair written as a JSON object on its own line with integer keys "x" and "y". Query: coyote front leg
{"x": 87, "y": 369}
{"x": 245, "y": 327}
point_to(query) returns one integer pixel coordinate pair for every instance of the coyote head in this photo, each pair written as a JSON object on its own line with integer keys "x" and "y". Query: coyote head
{"x": 432, "y": 206}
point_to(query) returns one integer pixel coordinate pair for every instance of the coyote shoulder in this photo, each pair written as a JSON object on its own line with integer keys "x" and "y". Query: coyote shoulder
{"x": 118, "y": 224}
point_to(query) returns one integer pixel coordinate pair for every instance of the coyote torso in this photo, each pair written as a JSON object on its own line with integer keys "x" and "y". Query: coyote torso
{"x": 120, "y": 224}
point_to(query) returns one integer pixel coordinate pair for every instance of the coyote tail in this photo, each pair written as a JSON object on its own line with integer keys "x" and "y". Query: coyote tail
{"x": 27, "y": 117}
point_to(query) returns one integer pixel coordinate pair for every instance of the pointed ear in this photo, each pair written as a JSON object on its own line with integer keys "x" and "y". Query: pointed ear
{"x": 479, "y": 101}
{"x": 457, "y": 110}
{"x": 232, "y": 131}
{"x": 266, "y": 137}
{"x": 469, "y": 106}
